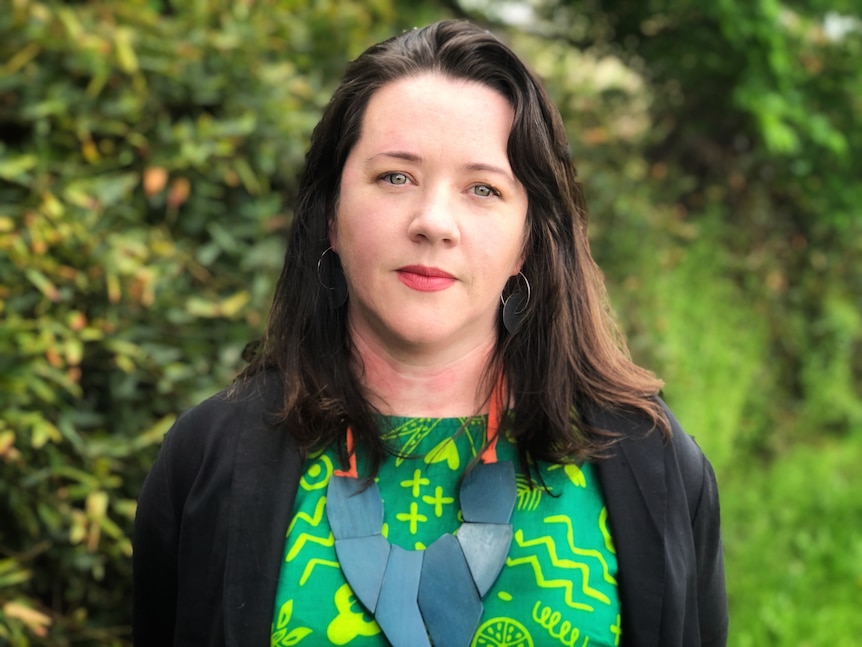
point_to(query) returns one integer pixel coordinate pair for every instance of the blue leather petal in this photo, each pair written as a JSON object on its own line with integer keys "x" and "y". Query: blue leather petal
{"x": 352, "y": 510}
{"x": 397, "y": 607}
{"x": 450, "y": 604}
{"x": 489, "y": 492}
{"x": 363, "y": 562}
{"x": 438, "y": 590}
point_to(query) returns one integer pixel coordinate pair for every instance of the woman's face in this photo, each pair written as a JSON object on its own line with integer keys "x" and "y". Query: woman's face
{"x": 431, "y": 220}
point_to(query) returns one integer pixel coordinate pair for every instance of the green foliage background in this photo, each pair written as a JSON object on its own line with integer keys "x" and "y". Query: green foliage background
{"x": 148, "y": 152}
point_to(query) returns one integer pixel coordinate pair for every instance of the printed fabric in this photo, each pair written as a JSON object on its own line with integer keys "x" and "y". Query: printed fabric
{"x": 558, "y": 585}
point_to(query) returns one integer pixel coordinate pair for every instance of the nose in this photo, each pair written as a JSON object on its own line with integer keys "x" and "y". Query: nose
{"x": 434, "y": 217}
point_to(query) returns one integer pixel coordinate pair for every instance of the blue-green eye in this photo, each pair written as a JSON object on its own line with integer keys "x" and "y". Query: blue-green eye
{"x": 396, "y": 178}
{"x": 485, "y": 191}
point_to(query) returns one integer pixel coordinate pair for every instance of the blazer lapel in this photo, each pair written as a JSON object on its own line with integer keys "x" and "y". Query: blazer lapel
{"x": 265, "y": 479}
{"x": 633, "y": 482}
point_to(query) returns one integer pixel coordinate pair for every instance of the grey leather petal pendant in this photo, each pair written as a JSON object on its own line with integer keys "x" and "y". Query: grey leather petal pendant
{"x": 485, "y": 547}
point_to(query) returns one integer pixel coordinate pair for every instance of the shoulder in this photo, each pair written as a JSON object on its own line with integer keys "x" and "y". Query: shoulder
{"x": 663, "y": 508}
{"x": 635, "y": 427}
{"x": 253, "y": 401}
{"x": 675, "y": 458}
{"x": 201, "y": 452}
{"x": 694, "y": 468}
{"x": 205, "y": 435}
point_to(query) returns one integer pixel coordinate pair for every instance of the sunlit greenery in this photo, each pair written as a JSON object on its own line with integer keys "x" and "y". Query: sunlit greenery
{"x": 148, "y": 154}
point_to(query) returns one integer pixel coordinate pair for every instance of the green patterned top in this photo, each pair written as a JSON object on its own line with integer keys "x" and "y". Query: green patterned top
{"x": 559, "y": 582}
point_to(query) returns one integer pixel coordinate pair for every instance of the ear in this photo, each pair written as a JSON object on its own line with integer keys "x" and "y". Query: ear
{"x": 520, "y": 264}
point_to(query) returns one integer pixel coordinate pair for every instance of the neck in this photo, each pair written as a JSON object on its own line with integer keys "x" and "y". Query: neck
{"x": 418, "y": 385}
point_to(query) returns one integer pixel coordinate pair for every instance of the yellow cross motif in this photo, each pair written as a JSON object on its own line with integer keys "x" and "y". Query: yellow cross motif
{"x": 413, "y": 517}
{"x": 438, "y": 501}
{"x": 616, "y": 630}
{"x": 416, "y": 482}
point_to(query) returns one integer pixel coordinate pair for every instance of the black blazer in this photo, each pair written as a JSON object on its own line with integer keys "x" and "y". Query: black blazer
{"x": 214, "y": 510}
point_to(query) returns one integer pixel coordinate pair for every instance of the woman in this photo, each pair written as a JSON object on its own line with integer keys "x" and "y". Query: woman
{"x": 439, "y": 359}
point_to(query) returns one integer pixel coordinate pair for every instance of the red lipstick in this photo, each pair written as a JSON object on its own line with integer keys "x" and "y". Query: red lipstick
{"x": 425, "y": 279}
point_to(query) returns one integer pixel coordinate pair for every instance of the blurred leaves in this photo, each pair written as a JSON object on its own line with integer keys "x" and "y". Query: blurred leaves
{"x": 717, "y": 145}
{"x": 148, "y": 151}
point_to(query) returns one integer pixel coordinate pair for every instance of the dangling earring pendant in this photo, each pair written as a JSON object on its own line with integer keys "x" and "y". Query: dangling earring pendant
{"x": 335, "y": 284}
{"x": 515, "y": 305}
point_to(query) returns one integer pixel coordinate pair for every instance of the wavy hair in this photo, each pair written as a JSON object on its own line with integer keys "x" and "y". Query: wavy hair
{"x": 568, "y": 357}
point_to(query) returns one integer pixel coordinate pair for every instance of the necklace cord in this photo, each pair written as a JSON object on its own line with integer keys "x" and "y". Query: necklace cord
{"x": 490, "y": 453}
{"x": 493, "y": 429}
{"x": 352, "y": 472}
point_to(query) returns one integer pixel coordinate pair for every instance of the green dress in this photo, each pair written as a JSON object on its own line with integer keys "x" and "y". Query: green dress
{"x": 558, "y": 585}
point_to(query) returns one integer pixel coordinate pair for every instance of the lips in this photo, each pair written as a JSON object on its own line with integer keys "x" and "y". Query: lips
{"x": 425, "y": 279}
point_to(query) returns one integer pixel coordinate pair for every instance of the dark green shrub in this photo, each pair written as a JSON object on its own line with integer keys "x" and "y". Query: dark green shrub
{"x": 146, "y": 162}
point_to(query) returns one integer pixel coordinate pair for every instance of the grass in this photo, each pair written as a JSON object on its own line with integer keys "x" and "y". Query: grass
{"x": 791, "y": 490}
{"x": 793, "y": 547}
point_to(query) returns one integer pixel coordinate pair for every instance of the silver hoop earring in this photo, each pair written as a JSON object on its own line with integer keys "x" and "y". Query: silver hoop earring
{"x": 515, "y": 305}
{"x": 331, "y": 277}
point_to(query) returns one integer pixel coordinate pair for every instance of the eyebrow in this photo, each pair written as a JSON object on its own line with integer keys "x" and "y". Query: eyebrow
{"x": 402, "y": 155}
{"x": 474, "y": 166}
{"x": 490, "y": 168}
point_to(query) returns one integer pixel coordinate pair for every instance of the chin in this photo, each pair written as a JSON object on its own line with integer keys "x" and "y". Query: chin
{"x": 425, "y": 337}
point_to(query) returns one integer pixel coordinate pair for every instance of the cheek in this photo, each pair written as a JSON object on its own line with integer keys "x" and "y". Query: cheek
{"x": 356, "y": 246}
{"x": 515, "y": 244}
{"x": 342, "y": 227}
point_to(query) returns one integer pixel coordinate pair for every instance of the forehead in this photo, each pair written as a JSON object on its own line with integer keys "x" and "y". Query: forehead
{"x": 442, "y": 88}
{"x": 430, "y": 106}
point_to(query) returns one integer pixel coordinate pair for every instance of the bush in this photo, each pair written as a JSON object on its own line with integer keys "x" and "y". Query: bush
{"x": 147, "y": 158}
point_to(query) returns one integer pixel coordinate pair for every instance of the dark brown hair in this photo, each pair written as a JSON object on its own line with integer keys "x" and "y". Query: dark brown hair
{"x": 566, "y": 359}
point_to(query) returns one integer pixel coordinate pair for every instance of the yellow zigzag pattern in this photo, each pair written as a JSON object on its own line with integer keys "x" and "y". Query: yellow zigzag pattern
{"x": 533, "y": 561}
{"x": 312, "y": 521}
{"x": 558, "y": 563}
{"x": 310, "y": 567}
{"x": 305, "y": 537}
{"x": 570, "y": 537}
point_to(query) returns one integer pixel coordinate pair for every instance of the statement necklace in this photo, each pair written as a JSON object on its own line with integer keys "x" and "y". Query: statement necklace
{"x": 432, "y": 596}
